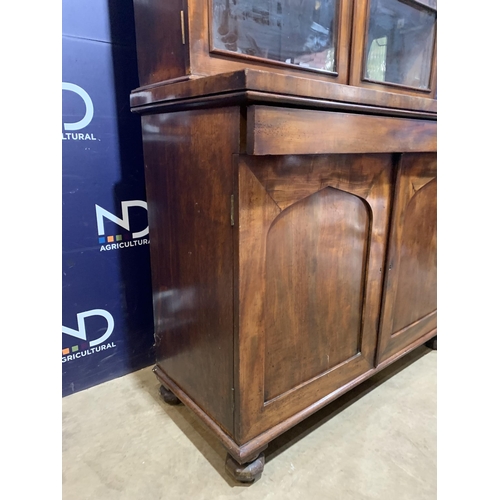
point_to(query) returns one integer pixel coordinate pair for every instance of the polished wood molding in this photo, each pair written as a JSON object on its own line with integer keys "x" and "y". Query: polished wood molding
{"x": 250, "y": 97}
{"x": 286, "y": 85}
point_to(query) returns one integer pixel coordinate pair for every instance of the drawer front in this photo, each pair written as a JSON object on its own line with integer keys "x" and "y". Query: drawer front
{"x": 279, "y": 131}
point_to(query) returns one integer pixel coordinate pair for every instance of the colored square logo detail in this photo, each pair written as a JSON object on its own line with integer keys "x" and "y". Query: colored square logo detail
{"x": 110, "y": 239}
{"x": 126, "y": 237}
{"x": 65, "y": 351}
{"x": 102, "y": 239}
{"x": 74, "y": 348}
{"x": 85, "y": 345}
{"x": 118, "y": 237}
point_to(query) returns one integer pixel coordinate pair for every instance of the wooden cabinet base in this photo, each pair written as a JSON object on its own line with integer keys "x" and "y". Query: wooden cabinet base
{"x": 293, "y": 252}
{"x": 244, "y": 454}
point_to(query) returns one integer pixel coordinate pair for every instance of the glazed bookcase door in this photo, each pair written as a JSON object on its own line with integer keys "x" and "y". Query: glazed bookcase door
{"x": 316, "y": 225}
{"x": 409, "y": 308}
{"x": 394, "y": 46}
{"x": 312, "y": 35}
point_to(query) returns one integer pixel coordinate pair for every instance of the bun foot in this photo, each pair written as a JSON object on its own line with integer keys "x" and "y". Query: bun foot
{"x": 432, "y": 344}
{"x": 246, "y": 473}
{"x": 168, "y": 396}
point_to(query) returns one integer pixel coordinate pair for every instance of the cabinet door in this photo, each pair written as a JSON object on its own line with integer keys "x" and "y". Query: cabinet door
{"x": 394, "y": 46}
{"x": 311, "y": 239}
{"x": 311, "y": 35}
{"x": 409, "y": 308}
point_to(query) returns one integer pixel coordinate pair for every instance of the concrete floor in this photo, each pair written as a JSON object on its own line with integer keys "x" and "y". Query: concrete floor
{"x": 378, "y": 442}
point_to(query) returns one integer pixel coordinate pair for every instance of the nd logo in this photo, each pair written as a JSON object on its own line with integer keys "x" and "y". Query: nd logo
{"x": 101, "y": 214}
{"x": 81, "y": 333}
{"x": 89, "y": 107}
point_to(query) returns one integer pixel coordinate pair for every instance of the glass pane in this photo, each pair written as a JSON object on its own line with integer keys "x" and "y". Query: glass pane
{"x": 400, "y": 43}
{"x": 300, "y": 32}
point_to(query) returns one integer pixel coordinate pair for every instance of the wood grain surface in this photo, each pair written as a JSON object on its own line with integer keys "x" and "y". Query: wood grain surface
{"x": 410, "y": 295}
{"x": 285, "y": 245}
{"x": 286, "y": 85}
{"x": 277, "y": 131}
{"x": 189, "y": 185}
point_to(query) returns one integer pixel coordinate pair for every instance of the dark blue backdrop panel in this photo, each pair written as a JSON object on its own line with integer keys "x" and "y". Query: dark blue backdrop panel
{"x": 114, "y": 285}
{"x": 101, "y": 20}
{"x": 107, "y": 308}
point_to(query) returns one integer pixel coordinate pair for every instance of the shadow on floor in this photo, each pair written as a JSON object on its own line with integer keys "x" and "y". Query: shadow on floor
{"x": 211, "y": 448}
